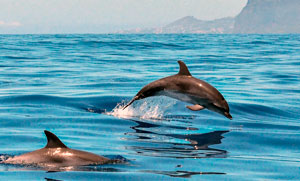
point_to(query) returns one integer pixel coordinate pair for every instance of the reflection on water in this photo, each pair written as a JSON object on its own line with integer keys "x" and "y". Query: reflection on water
{"x": 183, "y": 174}
{"x": 50, "y": 179}
{"x": 171, "y": 140}
{"x": 173, "y": 145}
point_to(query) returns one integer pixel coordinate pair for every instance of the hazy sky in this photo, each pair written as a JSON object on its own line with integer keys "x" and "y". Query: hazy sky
{"x": 98, "y": 16}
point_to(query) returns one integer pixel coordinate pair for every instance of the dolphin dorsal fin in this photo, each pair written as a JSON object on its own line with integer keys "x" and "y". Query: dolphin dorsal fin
{"x": 53, "y": 141}
{"x": 183, "y": 69}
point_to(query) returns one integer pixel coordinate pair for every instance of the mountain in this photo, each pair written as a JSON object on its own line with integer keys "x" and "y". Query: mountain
{"x": 258, "y": 16}
{"x": 190, "y": 24}
{"x": 269, "y": 16}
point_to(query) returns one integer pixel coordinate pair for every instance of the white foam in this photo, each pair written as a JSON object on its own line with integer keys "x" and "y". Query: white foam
{"x": 150, "y": 108}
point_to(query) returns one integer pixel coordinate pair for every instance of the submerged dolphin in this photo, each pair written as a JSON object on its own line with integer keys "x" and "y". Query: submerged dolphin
{"x": 183, "y": 86}
{"x": 57, "y": 154}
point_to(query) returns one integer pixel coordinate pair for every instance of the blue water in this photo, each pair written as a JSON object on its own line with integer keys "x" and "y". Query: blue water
{"x": 75, "y": 86}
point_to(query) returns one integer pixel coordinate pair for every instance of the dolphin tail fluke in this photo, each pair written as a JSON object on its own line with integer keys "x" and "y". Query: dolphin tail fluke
{"x": 134, "y": 99}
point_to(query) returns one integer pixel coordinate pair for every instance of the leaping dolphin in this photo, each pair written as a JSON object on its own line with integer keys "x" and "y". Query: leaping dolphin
{"x": 183, "y": 86}
{"x": 56, "y": 154}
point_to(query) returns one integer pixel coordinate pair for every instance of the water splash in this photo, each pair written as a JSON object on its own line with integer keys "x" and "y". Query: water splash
{"x": 150, "y": 108}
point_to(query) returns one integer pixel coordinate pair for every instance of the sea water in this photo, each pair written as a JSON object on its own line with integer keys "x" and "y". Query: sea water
{"x": 76, "y": 85}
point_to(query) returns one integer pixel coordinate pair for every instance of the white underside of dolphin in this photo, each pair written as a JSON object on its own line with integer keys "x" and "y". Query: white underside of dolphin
{"x": 184, "y": 87}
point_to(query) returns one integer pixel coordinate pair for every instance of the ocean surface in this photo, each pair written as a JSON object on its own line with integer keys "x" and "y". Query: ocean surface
{"x": 76, "y": 85}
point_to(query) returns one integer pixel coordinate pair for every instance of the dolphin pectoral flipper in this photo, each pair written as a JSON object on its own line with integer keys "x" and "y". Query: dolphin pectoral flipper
{"x": 53, "y": 141}
{"x": 195, "y": 107}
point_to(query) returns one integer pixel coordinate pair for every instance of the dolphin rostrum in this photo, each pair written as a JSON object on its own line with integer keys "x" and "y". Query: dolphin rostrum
{"x": 56, "y": 154}
{"x": 183, "y": 86}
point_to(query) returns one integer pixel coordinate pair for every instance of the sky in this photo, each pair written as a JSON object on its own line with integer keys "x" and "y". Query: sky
{"x": 104, "y": 16}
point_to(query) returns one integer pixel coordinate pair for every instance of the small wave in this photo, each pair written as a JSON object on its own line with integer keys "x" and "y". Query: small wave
{"x": 126, "y": 44}
{"x": 4, "y": 157}
{"x": 21, "y": 57}
{"x": 150, "y": 108}
{"x": 259, "y": 110}
{"x": 260, "y": 42}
